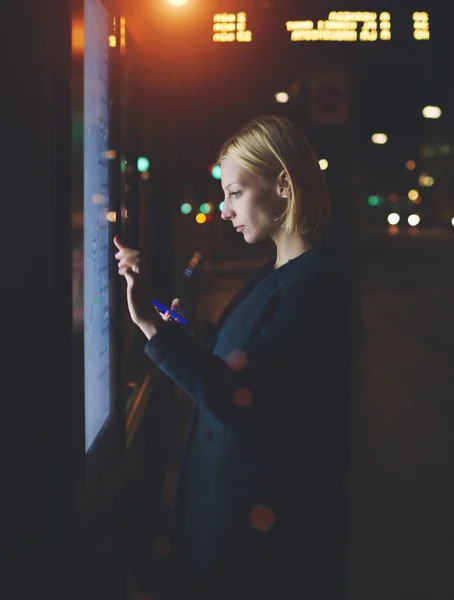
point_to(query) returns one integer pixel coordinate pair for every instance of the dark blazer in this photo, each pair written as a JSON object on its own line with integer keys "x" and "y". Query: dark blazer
{"x": 262, "y": 506}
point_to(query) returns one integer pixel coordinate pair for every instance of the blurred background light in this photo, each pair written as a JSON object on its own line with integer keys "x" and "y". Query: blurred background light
{"x": 379, "y": 138}
{"x": 431, "y": 112}
{"x": 323, "y": 164}
{"x": 282, "y": 97}
{"x": 177, "y": 2}
{"x": 200, "y": 218}
{"x": 374, "y": 201}
{"x": 411, "y": 165}
{"x": 143, "y": 164}
{"x": 426, "y": 180}
{"x": 221, "y": 206}
{"x": 205, "y": 208}
{"x": 413, "y": 220}
{"x": 413, "y": 194}
{"x": 216, "y": 171}
{"x": 186, "y": 208}
{"x": 393, "y": 218}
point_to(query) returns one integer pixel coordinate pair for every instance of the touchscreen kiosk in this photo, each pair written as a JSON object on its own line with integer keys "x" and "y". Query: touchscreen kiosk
{"x": 96, "y": 198}
{"x": 97, "y": 237}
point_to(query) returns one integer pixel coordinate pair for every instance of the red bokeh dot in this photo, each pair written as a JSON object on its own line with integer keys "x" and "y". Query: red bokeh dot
{"x": 242, "y": 397}
{"x": 262, "y": 518}
{"x": 237, "y": 360}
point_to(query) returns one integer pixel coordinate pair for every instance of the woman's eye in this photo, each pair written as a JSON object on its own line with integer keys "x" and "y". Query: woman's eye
{"x": 235, "y": 194}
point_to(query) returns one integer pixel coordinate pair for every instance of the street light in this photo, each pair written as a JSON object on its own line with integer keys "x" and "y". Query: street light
{"x": 431, "y": 112}
{"x": 379, "y": 138}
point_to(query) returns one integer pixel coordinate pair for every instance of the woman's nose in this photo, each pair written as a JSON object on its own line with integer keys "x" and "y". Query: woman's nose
{"x": 227, "y": 212}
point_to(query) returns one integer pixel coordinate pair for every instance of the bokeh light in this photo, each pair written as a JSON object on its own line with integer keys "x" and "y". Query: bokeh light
{"x": 393, "y": 218}
{"x": 323, "y": 164}
{"x": 206, "y": 208}
{"x": 413, "y": 220}
{"x": 379, "y": 138}
{"x": 242, "y": 397}
{"x": 200, "y": 218}
{"x": 237, "y": 360}
{"x": 216, "y": 171}
{"x": 282, "y": 97}
{"x": 431, "y": 112}
{"x": 262, "y": 518}
{"x": 186, "y": 208}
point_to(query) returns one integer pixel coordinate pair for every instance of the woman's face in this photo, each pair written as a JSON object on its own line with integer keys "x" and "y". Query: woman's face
{"x": 251, "y": 207}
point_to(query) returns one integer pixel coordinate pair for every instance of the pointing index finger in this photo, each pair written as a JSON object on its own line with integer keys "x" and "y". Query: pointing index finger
{"x": 118, "y": 243}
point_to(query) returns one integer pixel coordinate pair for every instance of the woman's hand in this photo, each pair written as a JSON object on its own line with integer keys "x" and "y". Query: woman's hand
{"x": 139, "y": 296}
{"x": 181, "y": 307}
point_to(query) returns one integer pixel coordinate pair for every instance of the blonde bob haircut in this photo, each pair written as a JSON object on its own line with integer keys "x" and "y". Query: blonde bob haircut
{"x": 271, "y": 144}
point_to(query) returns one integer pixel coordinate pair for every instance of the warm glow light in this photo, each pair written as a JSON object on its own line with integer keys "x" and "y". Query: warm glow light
{"x": 111, "y": 216}
{"x": 411, "y": 165}
{"x": 452, "y": 221}
{"x": 342, "y": 26}
{"x": 122, "y": 35}
{"x": 231, "y": 27}
{"x": 77, "y": 37}
{"x": 413, "y": 194}
{"x": 200, "y": 218}
{"x": 431, "y": 112}
{"x": 413, "y": 220}
{"x": 379, "y": 138}
{"x": 323, "y": 164}
{"x": 281, "y": 97}
{"x": 112, "y": 41}
{"x": 421, "y": 30}
{"x": 393, "y": 230}
{"x": 393, "y": 218}
{"x": 426, "y": 180}
{"x": 177, "y": 2}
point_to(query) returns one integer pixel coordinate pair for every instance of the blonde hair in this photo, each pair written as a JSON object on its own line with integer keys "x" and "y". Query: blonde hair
{"x": 268, "y": 145}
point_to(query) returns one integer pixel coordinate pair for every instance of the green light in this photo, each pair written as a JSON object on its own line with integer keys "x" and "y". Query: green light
{"x": 205, "y": 208}
{"x": 143, "y": 164}
{"x": 186, "y": 208}
{"x": 374, "y": 201}
{"x": 216, "y": 172}
{"x": 221, "y": 206}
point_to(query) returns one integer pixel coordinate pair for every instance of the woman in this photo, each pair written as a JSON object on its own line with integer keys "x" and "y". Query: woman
{"x": 262, "y": 509}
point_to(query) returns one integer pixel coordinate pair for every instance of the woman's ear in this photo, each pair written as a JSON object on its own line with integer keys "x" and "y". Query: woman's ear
{"x": 283, "y": 184}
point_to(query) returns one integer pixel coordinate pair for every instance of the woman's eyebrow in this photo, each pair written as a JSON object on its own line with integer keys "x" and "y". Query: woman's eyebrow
{"x": 233, "y": 183}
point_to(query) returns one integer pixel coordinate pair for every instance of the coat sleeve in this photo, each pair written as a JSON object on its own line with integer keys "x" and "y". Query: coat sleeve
{"x": 306, "y": 323}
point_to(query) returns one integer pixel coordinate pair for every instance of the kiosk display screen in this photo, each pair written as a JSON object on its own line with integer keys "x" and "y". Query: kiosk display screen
{"x": 97, "y": 321}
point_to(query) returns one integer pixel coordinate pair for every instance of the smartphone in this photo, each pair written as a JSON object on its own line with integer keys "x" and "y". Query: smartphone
{"x": 173, "y": 315}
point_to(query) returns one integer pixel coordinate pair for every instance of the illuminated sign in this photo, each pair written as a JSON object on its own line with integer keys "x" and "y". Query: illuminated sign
{"x": 421, "y": 29}
{"x": 340, "y": 26}
{"x": 230, "y": 27}
{"x": 343, "y": 27}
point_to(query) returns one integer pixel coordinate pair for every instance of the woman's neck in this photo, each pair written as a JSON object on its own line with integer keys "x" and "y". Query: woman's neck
{"x": 289, "y": 247}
